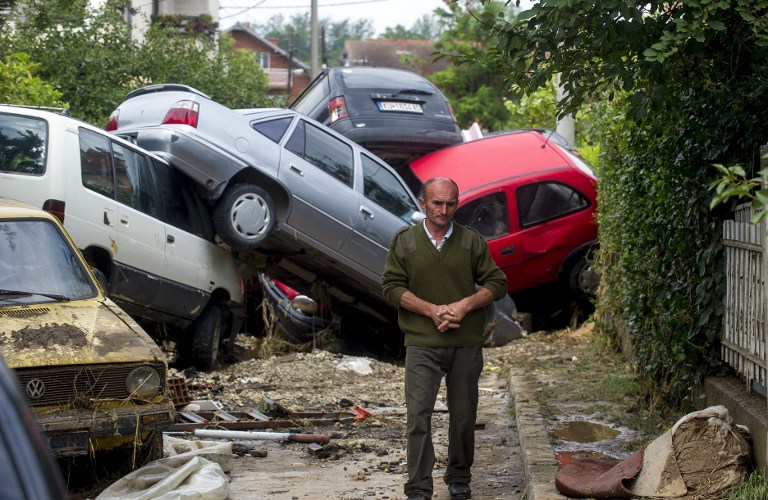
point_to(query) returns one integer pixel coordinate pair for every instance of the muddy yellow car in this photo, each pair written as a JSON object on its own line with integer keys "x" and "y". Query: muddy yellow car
{"x": 95, "y": 380}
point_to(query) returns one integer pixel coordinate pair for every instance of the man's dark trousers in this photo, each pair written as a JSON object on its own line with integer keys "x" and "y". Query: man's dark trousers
{"x": 424, "y": 369}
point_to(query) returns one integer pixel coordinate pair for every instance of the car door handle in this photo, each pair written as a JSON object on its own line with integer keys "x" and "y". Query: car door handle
{"x": 366, "y": 212}
{"x": 508, "y": 250}
{"x": 170, "y": 239}
{"x": 297, "y": 170}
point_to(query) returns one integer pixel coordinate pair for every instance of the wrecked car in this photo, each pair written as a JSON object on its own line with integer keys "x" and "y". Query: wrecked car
{"x": 534, "y": 203}
{"x": 95, "y": 380}
{"x": 136, "y": 219}
{"x": 397, "y": 114}
{"x": 281, "y": 184}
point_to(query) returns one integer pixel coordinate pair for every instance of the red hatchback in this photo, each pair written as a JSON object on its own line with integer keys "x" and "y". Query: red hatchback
{"x": 534, "y": 203}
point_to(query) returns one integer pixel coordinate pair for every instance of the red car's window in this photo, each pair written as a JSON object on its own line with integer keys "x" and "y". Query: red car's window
{"x": 544, "y": 201}
{"x": 488, "y": 215}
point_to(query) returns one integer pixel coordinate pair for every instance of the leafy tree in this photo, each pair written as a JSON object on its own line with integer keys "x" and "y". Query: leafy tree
{"x": 680, "y": 81}
{"x": 231, "y": 77}
{"x": 473, "y": 89}
{"x": 97, "y": 63}
{"x": 299, "y": 27}
{"x": 19, "y": 85}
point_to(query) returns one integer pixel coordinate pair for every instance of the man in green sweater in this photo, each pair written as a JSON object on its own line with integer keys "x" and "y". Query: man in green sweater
{"x": 432, "y": 273}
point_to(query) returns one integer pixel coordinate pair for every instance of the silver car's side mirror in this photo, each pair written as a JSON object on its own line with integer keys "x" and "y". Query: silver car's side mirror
{"x": 418, "y": 217}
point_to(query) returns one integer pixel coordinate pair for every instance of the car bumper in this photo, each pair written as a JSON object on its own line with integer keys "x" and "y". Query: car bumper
{"x": 73, "y": 432}
{"x": 399, "y": 139}
{"x": 295, "y": 325}
{"x": 208, "y": 165}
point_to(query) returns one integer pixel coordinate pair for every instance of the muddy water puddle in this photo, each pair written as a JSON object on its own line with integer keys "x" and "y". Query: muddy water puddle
{"x": 588, "y": 439}
{"x": 585, "y": 432}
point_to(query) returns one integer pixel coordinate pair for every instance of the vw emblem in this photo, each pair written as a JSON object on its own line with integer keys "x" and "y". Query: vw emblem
{"x": 35, "y": 388}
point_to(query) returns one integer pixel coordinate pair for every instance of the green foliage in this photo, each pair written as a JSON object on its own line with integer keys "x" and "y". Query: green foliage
{"x": 673, "y": 88}
{"x": 660, "y": 255}
{"x": 19, "y": 85}
{"x": 755, "y": 488}
{"x": 97, "y": 63}
{"x": 231, "y": 77}
{"x": 734, "y": 183}
{"x": 472, "y": 88}
{"x": 294, "y": 35}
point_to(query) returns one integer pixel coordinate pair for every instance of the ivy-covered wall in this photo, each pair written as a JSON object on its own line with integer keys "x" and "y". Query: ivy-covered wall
{"x": 661, "y": 255}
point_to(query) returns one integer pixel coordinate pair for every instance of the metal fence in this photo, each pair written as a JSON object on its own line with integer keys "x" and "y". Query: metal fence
{"x": 744, "y": 333}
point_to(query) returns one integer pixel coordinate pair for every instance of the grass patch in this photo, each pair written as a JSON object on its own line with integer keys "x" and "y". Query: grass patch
{"x": 754, "y": 488}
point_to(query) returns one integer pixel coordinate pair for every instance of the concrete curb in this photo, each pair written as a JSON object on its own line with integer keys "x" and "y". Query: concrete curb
{"x": 537, "y": 453}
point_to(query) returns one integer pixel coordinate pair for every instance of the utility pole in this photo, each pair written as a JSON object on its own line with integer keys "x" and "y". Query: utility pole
{"x": 313, "y": 39}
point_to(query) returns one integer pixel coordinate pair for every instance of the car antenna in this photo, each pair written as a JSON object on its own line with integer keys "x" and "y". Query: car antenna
{"x": 546, "y": 139}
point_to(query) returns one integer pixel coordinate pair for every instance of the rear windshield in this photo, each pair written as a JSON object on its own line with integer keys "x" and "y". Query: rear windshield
{"x": 377, "y": 78}
{"x": 23, "y": 143}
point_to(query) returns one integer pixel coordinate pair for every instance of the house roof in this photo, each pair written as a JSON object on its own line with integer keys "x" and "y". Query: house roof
{"x": 247, "y": 30}
{"x": 403, "y": 53}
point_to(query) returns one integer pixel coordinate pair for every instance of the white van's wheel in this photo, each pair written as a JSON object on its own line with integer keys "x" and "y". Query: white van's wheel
{"x": 206, "y": 338}
{"x": 244, "y": 216}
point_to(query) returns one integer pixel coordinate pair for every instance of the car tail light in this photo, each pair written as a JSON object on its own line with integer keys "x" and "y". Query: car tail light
{"x": 55, "y": 208}
{"x": 112, "y": 122}
{"x": 184, "y": 113}
{"x": 338, "y": 109}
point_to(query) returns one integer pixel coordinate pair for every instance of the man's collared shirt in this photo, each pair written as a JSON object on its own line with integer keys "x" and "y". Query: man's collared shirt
{"x": 432, "y": 239}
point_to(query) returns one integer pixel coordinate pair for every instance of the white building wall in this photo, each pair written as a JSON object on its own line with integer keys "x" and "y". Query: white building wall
{"x": 141, "y": 19}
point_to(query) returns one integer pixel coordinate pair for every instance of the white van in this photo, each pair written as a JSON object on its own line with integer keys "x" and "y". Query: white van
{"x": 136, "y": 220}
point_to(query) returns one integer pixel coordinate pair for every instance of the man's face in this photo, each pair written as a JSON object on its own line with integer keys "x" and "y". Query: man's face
{"x": 439, "y": 202}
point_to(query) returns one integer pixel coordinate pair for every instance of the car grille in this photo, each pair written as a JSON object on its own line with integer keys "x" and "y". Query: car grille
{"x": 77, "y": 386}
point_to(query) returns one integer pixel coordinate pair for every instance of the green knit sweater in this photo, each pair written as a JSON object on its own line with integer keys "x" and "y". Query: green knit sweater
{"x": 440, "y": 277}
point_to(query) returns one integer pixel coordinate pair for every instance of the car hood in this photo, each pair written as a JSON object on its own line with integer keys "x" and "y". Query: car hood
{"x": 86, "y": 332}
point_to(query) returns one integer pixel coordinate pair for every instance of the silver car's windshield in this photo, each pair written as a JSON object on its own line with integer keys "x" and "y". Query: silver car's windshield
{"x": 37, "y": 264}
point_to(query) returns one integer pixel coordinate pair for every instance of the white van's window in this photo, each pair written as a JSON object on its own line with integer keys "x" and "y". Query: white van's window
{"x": 23, "y": 142}
{"x": 96, "y": 163}
{"x": 182, "y": 207}
{"x": 135, "y": 185}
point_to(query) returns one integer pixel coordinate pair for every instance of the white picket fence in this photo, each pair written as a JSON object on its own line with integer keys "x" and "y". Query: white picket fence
{"x": 744, "y": 331}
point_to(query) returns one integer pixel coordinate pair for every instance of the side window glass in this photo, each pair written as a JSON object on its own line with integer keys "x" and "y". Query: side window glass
{"x": 296, "y": 143}
{"x": 314, "y": 98}
{"x": 383, "y": 188}
{"x": 96, "y": 163}
{"x": 545, "y": 201}
{"x": 22, "y": 144}
{"x": 135, "y": 186}
{"x": 183, "y": 208}
{"x": 329, "y": 154}
{"x": 488, "y": 215}
{"x": 273, "y": 129}
{"x": 323, "y": 151}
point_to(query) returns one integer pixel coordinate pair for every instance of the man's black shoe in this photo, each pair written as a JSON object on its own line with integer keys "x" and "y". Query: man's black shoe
{"x": 459, "y": 491}
{"x": 417, "y": 496}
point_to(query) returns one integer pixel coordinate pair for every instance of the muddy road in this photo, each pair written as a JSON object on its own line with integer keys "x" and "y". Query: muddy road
{"x": 364, "y": 459}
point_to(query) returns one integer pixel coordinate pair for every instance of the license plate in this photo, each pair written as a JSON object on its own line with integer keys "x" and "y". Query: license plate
{"x": 407, "y": 107}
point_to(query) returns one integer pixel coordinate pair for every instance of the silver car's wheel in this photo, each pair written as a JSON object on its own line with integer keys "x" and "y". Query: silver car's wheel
{"x": 244, "y": 216}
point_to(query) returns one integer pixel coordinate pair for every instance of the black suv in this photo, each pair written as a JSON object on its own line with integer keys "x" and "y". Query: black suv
{"x": 396, "y": 114}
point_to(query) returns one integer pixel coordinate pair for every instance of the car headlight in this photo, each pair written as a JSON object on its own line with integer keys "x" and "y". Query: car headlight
{"x": 144, "y": 382}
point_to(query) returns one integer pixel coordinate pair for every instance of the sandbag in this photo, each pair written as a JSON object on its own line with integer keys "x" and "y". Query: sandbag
{"x": 701, "y": 456}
